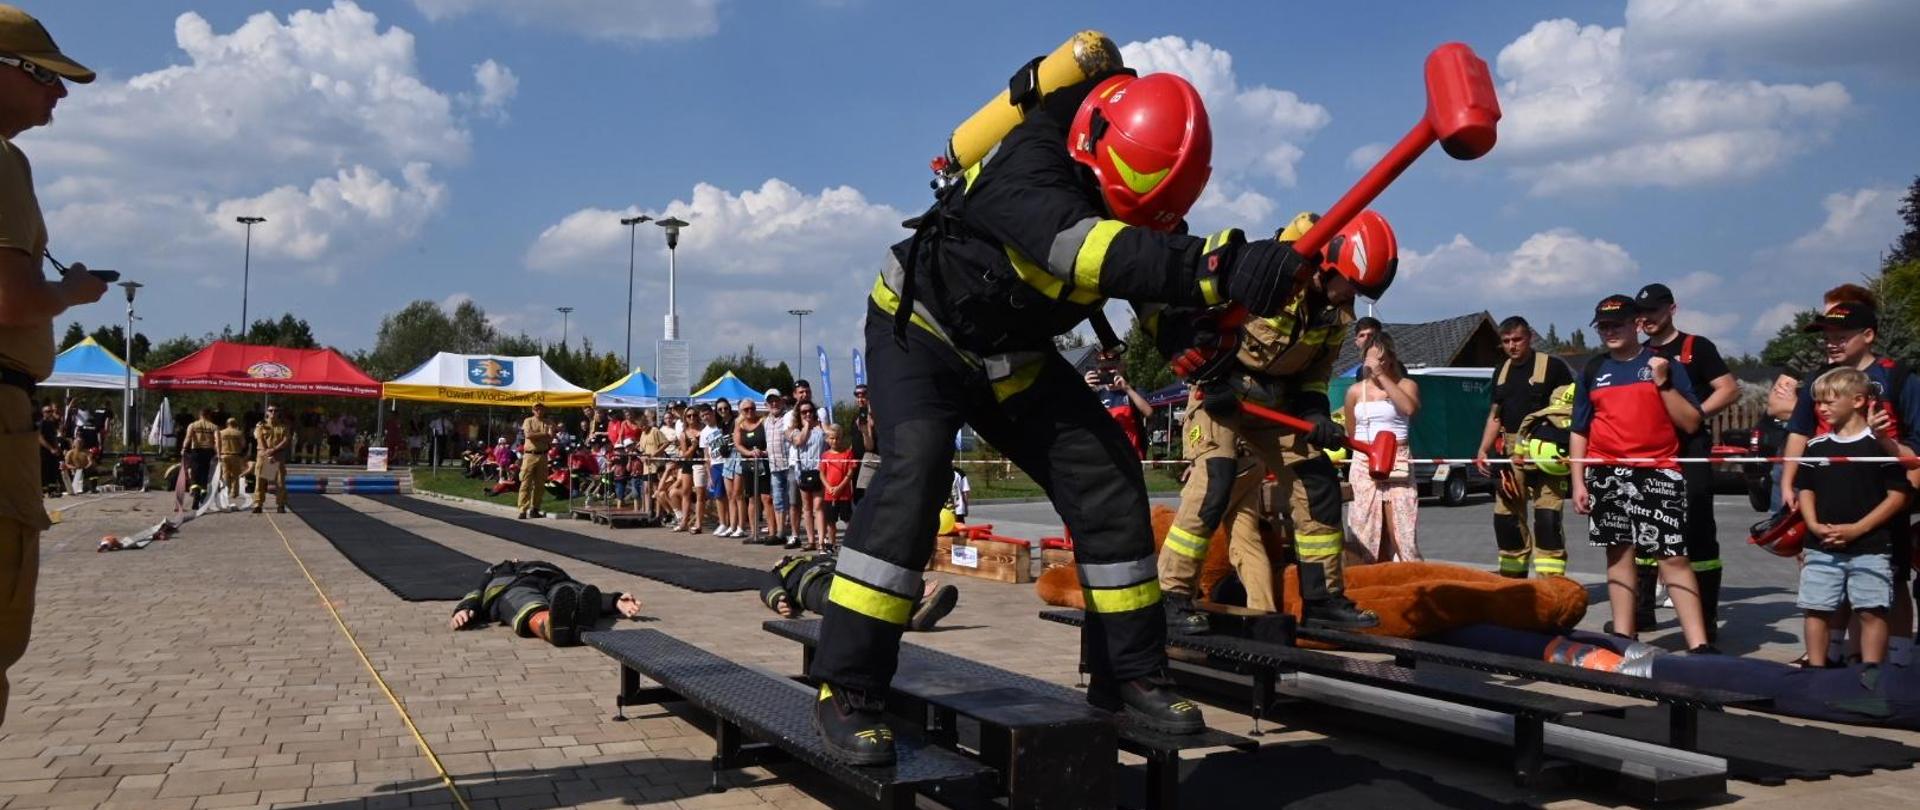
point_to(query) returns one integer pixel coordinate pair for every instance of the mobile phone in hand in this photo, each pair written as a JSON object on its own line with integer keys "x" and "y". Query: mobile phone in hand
{"x": 108, "y": 276}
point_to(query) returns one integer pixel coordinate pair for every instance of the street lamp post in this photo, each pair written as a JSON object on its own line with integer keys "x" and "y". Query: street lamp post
{"x": 632, "y": 224}
{"x": 246, "y": 270}
{"x": 564, "y": 312}
{"x": 673, "y": 227}
{"x": 126, "y": 391}
{"x": 800, "y": 340}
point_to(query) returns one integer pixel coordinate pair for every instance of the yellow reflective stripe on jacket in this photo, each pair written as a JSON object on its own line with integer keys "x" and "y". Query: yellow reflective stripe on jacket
{"x": 870, "y": 602}
{"x": 890, "y": 303}
{"x": 1317, "y": 545}
{"x": 1123, "y": 600}
{"x": 1021, "y": 379}
{"x": 1093, "y": 256}
{"x": 1210, "y": 290}
{"x": 1186, "y": 543}
{"x": 1048, "y": 284}
{"x": 1314, "y": 387}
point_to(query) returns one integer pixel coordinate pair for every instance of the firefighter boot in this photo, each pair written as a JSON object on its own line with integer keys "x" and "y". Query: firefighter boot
{"x": 850, "y": 722}
{"x": 1182, "y": 617}
{"x": 1328, "y": 607}
{"x": 1149, "y": 701}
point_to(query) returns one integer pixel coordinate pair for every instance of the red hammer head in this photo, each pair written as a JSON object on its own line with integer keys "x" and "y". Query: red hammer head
{"x": 1461, "y": 106}
{"x": 1380, "y": 454}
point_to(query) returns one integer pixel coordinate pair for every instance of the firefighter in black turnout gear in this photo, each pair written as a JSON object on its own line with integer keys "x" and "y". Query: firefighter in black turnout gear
{"x": 799, "y": 584}
{"x": 960, "y": 329}
{"x": 538, "y": 600}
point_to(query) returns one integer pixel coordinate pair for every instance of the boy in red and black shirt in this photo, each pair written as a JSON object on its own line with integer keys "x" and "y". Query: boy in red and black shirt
{"x": 1631, "y": 403}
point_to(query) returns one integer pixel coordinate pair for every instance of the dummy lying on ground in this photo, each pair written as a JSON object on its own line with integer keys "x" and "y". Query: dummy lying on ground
{"x": 538, "y": 600}
{"x": 799, "y": 584}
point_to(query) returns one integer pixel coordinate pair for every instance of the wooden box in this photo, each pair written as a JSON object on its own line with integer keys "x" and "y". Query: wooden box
{"x": 1001, "y": 559}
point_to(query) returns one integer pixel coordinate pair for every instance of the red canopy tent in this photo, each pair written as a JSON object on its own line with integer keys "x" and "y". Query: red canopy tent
{"x": 242, "y": 367}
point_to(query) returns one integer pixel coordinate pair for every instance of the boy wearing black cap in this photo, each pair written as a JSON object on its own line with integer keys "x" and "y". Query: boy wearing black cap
{"x": 1850, "y": 329}
{"x": 1718, "y": 391}
{"x": 1631, "y": 403}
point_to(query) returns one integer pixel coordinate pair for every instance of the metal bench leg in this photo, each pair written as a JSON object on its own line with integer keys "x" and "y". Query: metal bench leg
{"x": 1529, "y": 748}
{"x": 1262, "y": 697}
{"x": 1683, "y": 727}
{"x": 1163, "y": 781}
{"x": 726, "y": 748}
{"x": 629, "y": 684}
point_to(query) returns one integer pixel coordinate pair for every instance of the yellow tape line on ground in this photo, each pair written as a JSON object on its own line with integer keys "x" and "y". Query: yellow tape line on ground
{"x": 445, "y": 778}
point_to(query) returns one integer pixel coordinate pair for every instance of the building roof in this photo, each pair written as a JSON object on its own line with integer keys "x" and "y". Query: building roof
{"x": 1464, "y": 340}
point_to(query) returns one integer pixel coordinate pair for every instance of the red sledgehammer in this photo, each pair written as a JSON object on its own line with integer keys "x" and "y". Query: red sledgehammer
{"x": 1461, "y": 113}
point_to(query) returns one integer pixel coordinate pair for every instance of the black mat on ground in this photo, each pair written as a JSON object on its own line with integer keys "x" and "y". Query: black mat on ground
{"x": 1763, "y": 750}
{"x": 1305, "y": 775}
{"x": 678, "y": 570}
{"x": 414, "y": 568}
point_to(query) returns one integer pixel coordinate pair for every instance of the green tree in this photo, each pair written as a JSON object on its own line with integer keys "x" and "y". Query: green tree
{"x": 751, "y": 368}
{"x": 410, "y": 337}
{"x": 1906, "y": 249}
{"x": 114, "y": 339}
{"x": 1551, "y": 343}
{"x": 174, "y": 349}
{"x": 288, "y": 333}
{"x": 73, "y": 336}
{"x": 1796, "y": 351}
{"x": 582, "y": 366}
{"x": 1146, "y": 370}
{"x": 1578, "y": 341}
{"x": 1070, "y": 340}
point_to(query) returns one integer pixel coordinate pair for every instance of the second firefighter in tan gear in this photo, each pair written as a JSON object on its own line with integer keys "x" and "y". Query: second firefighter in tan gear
{"x": 1537, "y": 476}
{"x": 533, "y": 459}
{"x": 1283, "y": 361}
{"x": 1229, "y": 494}
{"x": 273, "y": 438}
{"x": 231, "y": 445}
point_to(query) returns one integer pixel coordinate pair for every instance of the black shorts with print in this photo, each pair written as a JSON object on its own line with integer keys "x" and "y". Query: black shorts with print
{"x": 1642, "y": 507}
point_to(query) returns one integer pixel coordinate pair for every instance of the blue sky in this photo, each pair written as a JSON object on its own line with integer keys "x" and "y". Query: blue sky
{"x": 1749, "y": 155}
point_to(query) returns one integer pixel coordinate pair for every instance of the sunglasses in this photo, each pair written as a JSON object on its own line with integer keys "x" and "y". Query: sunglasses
{"x": 39, "y": 74}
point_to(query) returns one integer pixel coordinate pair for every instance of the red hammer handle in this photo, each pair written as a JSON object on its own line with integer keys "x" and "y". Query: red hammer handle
{"x": 1371, "y": 184}
{"x": 1298, "y": 425}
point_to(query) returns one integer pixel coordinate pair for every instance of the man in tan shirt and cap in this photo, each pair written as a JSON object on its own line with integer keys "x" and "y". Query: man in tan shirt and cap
{"x": 33, "y": 73}
{"x": 537, "y": 439}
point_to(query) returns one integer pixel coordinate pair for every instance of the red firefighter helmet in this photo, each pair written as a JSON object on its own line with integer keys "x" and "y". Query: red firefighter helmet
{"x": 1366, "y": 253}
{"x": 1148, "y": 142}
{"x": 1782, "y": 533}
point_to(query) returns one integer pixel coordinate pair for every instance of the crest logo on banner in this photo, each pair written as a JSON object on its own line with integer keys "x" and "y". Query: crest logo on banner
{"x": 269, "y": 370}
{"x": 488, "y": 371}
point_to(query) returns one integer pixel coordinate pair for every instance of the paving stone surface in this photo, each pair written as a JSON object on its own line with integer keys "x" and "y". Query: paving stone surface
{"x": 206, "y": 672}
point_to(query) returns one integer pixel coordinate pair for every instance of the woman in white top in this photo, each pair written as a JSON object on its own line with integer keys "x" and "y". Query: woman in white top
{"x": 1382, "y": 525}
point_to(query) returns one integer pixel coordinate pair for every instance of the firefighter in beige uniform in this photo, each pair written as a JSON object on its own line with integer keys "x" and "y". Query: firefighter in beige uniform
{"x": 1283, "y": 362}
{"x": 272, "y": 437}
{"x": 33, "y": 73}
{"x": 231, "y": 446}
{"x": 533, "y": 460}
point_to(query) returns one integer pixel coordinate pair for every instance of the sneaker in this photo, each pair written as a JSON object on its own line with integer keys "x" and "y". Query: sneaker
{"x": 792, "y": 542}
{"x": 934, "y": 608}
{"x": 563, "y": 615}
{"x": 851, "y": 724}
{"x": 1182, "y": 618}
{"x": 1339, "y": 613}
{"x": 1151, "y": 702}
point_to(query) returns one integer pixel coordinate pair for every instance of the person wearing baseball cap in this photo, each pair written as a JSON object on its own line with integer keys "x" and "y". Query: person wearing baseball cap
{"x": 1718, "y": 391}
{"x": 33, "y": 76}
{"x": 1849, "y": 330}
{"x": 1631, "y": 403}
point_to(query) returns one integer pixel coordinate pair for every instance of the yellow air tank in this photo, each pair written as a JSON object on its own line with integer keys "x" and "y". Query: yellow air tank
{"x": 1086, "y": 54}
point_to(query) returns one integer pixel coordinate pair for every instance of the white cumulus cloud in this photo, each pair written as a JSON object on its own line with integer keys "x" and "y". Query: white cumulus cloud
{"x": 494, "y": 86}
{"x": 1583, "y": 112}
{"x": 1819, "y": 33}
{"x": 1256, "y": 129}
{"x": 1861, "y": 221}
{"x": 319, "y": 121}
{"x": 611, "y": 20}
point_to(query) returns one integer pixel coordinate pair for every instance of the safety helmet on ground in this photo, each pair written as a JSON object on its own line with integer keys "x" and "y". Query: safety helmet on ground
{"x": 1149, "y": 145}
{"x": 1782, "y": 533}
{"x": 1366, "y": 253}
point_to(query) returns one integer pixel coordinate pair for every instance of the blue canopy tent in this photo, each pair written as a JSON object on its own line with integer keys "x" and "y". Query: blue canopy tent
{"x": 89, "y": 365}
{"x": 636, "y": 390}
{"x": 729, "y": 388}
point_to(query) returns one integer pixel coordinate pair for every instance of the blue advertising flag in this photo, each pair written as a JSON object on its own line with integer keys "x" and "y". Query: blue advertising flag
{"x": 859, "y": 368}
{"x": 826, "y": 383}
